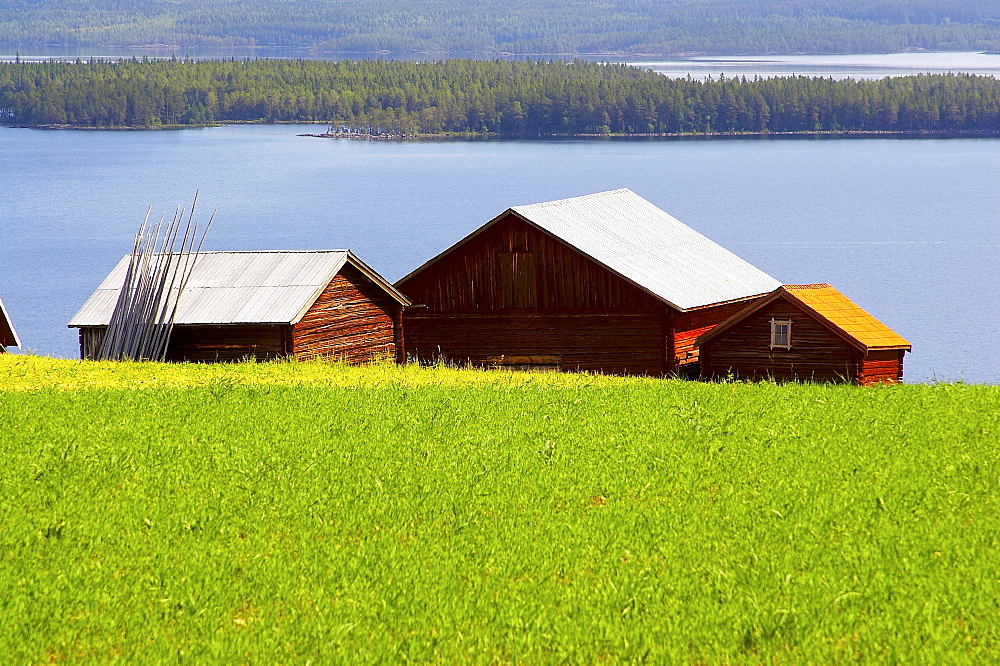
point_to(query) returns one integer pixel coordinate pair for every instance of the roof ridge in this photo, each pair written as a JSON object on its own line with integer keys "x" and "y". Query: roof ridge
{"x": 557, "y": 202}
{"x": 270, "y": 251}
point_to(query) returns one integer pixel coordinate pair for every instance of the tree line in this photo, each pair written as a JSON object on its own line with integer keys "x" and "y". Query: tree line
{"x": 526, "y": 98}
{"x": 515, "y": 26}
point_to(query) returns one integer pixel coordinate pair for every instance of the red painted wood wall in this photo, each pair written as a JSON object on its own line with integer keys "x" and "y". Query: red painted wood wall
{"x": 882, "y": 366}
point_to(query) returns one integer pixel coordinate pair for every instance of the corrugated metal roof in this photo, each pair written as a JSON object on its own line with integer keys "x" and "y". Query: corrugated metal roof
{"x": 838, "y": 312}
{"x": 650, "y": 248}
{"x": 843, "y": 313}
{"x": 8, "y": 336}
{"x": 240, "y": 287}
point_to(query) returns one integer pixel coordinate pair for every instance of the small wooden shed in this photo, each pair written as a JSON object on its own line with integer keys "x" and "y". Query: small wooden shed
{"x": 605, "y": 282}
{"x": 267, "y": 305}
{"x": 8, "y": 336}
{"x": 803, "y": 332}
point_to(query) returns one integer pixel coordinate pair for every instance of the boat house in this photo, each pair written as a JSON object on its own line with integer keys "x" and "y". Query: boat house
{"x": 606, "y": 282}
{"x": 266, "y": 305}
{"x": 8, "y": 336}
{"x": 803, "y": 332}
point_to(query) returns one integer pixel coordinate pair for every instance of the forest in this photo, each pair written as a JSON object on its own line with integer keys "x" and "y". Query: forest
{"x": 515, "y": 26}
{"x": 523, "y": 98}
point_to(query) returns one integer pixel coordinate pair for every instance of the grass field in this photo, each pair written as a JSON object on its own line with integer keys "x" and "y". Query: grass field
{"x": 307, "y": 511}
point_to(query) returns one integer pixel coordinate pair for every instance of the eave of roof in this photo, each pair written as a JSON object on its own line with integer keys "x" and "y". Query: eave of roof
{"x": 788, "y": 292}
{"x": 375, "y": 277}
{"x": 8, "y": 336}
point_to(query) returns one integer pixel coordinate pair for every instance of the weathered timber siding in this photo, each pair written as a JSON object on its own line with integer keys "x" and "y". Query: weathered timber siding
{"x": 353, "y": 320}
{"x": 882, "y": 366}
{"x": 516, "y": 291}
{"x": 232, "y": 342}
{"x": 744, "y": 351}
{"x": 209, "y": 344}
{"x": 513, "y": 265}
{"x": 90, "y": 341}
{"x": 620, "y": 343}
{"x": 689, "y": 325}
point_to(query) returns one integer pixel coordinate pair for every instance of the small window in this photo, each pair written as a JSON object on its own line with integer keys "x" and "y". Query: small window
{"x": 781, "y": 333}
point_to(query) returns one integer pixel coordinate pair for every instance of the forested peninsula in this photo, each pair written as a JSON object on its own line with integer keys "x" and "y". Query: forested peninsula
{"x": 526, "y": 99}
{"x": 513, "y": 26}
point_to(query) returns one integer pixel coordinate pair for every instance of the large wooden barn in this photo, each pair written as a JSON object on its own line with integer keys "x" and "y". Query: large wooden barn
{"x": 8, "y": 336}
{"x": 803, "y": 332}
{"x": 267, "y": 305}
{"x": 606, "y": 282}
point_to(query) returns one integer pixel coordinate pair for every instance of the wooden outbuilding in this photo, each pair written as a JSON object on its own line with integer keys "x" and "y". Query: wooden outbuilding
{"x": 803, "y": 332}
{"x": 606, "y": 282}
{"x": 8, "y": 336}
{"x": 266, "y": 305}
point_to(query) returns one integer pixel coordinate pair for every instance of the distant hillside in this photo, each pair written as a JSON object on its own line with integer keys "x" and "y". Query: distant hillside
{"x": 514, "y": 26}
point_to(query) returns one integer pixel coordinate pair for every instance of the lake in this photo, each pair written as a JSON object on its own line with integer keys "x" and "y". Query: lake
{"x": 856, "y": 66}
{"x": 909, "y": 229}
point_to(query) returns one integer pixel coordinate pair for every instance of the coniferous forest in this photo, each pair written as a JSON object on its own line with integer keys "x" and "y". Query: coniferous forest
{"x": 525, "y": 98}
{"x": 514, "y": 26}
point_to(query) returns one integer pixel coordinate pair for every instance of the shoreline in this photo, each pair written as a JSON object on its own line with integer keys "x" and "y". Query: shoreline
{"x": 471, "y": 136}
{"x": 480, "y": 136}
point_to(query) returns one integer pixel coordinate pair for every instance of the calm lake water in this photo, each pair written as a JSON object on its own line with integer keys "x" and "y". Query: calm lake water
{"x": 857, "y": 66}
{"x": 909, "y": 229}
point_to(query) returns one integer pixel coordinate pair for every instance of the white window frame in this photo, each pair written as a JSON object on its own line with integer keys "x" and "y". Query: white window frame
{"x": 788, "y": 334}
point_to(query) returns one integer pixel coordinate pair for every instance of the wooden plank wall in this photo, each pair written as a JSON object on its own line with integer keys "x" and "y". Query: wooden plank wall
{"x": 514, "y": 265}
{"x": 90, "y": 341}
{"x": 744, "y": 351}
{"x": 235, "y": 342}
{"x": 353, "y": 319}
{"x": 209, "y": 344}
{"x": 516, "y": 291}
{"x": 619, "y": 343}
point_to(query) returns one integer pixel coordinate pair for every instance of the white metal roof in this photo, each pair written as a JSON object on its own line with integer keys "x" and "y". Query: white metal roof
{"x": 240, "y": 287}
{"x": 646, "y": 246}
{"x": 8, "y": 336}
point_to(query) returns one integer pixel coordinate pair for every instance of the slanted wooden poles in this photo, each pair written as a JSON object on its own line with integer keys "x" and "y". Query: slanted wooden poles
{"x": 159, "y": 268}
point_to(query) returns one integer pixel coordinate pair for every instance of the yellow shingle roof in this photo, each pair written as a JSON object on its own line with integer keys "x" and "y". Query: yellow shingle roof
{"x": 843, "y": 313}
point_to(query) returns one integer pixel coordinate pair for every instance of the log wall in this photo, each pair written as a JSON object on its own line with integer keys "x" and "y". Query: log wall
{"x": 744, "y": 351}
{"x": 882, "y": 366}
{"x": 353, "y": 319}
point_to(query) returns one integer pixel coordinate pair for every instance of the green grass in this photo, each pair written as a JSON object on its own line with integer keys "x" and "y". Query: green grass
{"x": 288, "y": 512}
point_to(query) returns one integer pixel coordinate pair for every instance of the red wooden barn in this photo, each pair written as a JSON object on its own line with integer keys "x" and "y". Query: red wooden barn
{"x": 267, "y": 305}
{"x": 8, "y": 336}
{"x": 807, "y": 332}
{"x": 606, "y": 282}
